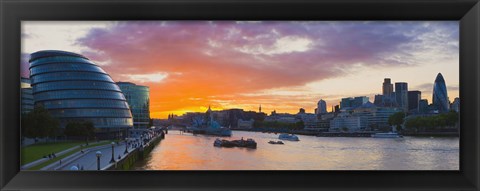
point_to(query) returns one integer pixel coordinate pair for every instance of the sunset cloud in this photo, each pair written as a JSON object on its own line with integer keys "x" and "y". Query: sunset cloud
{"x": 155, "y": 78}
{"x": 191, "y": 64}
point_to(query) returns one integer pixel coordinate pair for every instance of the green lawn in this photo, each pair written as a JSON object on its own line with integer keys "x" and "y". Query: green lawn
{"x": 34, "y": 152}
{"x": 93, "y": 144}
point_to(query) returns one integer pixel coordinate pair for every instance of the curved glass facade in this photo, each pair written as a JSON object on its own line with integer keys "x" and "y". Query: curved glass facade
{"x": 440, "y": 96}
{"x": 138, "y": 98}
{"x": 71, "y": 88}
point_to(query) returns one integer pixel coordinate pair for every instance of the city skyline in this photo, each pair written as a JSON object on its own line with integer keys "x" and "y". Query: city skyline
{"x": 283, "y": 66}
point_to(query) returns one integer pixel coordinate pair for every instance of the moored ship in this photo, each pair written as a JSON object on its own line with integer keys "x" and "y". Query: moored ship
{"x": 209, "y": 126}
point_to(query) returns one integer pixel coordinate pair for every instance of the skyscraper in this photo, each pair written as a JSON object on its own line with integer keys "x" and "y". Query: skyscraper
{"x": 413, "y": 99}
{"x": 456, "y": 104}
{"x": 321, "y": 107}
{"x": 387, "y": 87}
{"x": 138, "y": 98}
{"x": 423, "y": 106}
{"x": 401, "y": 95}
{"x": 73, "y": 88}
{"x": 440, "y": 96}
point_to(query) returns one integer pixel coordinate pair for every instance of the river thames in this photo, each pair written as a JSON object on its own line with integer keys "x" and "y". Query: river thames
{"x": 196, "y": 152}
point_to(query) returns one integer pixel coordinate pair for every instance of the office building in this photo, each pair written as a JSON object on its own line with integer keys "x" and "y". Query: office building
{"x": 385, "y": 100}
{"x": 377, "y": 117}
{"x": 423, "y": 106}
{"x": 347, "y": 122}
{"x": 401, "y": 95}
{"x": 350, "y": 103}
{"x": 359, "y": 101}
{"x": 27, "y": 95}
{"x": 387, "y": 88}
{"x": 73, "y": 88}
{"x": 138, "y": 98}
{"x": 456, "y": 105}
{"x": 346, "y": 102}
{"x": 414, "y": 98}
{"x": 321, "y": 107}
{"x": 440, "y": 96}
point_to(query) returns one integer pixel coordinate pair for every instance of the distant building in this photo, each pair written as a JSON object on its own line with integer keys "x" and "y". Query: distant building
{"x": 27, "y": 95}
{"x": 456, "y": 104}
{"x": 138, "y": 98}
{"x": 387, "y": 88}
{"x": 321, "y": 107}
{"x": 282, "y": 117}
{"x": 346, "y": 102}
{"x": 337, "y": 109}
{"x": 245, "y": 124}
{"x": 385, "y": 100}
{"x": 301, "y": 110}
{"x": 309, "y": 120}
{"x": 327, "y": 116}
{"x": 353, "y": 102}
{"x": 359, "y": 101}
{"x": 377, "y": 117}
{"x": 347, "y": 122}
{"x": 401, "y": 95}
{"x": 414, "y": 98}
{"x": 423, "y": 106}
{"x": 440, "y": 96}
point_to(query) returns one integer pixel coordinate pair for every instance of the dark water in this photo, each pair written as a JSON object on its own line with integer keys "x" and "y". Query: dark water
{"x": 196, "y": 152}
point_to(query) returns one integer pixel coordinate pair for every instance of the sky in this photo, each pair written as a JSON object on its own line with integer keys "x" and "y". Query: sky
{"x": 280, "y": 65}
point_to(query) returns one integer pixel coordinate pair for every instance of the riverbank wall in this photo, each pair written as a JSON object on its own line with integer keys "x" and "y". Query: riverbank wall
{"x": 357, "y": 134}
{"x": 127, "y": 162}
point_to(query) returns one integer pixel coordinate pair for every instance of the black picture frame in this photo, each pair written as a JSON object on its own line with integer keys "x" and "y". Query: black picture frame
{"x": 13, "y": 12}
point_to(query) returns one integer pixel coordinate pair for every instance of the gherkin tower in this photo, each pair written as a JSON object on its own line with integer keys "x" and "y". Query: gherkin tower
{"x": 440, "y": 96}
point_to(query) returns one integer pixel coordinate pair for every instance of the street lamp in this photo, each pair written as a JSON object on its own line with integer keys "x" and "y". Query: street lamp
{"x": 113, "y": 158}
{"x": 126, "y": 146}
{"x": 99, "y": 154}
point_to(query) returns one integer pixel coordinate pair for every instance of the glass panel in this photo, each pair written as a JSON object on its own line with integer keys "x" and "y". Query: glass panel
{"x": 65, "y": 67}
{"x": 72, "y": 94}
{"x": 59, "y": 76}
{"x": 90, "y": 113}
{"x": 54, "y": 59}
{"x": 85, "y": 103}
{"x": 75, "y": 85}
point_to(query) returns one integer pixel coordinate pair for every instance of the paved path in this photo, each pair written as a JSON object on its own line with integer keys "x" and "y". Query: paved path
{"x": 89, "y": 160}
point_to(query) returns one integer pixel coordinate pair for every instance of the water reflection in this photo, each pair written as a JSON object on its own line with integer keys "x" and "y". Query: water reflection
{"x": 196, "y": 152}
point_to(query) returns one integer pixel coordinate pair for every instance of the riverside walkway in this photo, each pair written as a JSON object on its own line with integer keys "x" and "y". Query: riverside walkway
{"x": 88, "y": 160}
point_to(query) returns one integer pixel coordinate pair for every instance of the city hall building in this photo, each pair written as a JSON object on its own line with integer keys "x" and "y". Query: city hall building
{"x": 73, "y": 88}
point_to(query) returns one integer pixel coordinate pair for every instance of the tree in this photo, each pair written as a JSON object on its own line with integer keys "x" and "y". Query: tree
{"x": 39, "y": 123}
{"x": 396, "y": 119}
{"x": 83, "y": 129}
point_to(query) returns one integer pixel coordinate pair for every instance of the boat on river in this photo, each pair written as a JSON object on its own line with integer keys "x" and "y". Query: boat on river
{"x": 391, "y": 134}
{"x": 249, "y": 143}
{"x": 276, "y": 142}
{"x": 288, "y": 137}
